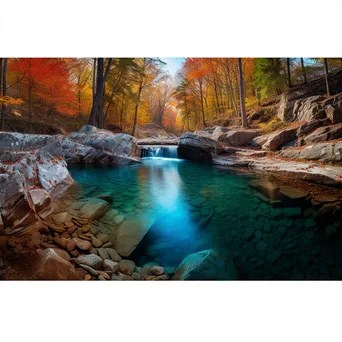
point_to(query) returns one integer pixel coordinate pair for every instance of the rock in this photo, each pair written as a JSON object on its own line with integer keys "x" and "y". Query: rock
{"x": 157, "y": 270}
{"x": 292, "y": 212}
{"x": 100, "y": 277}
{"x": 106, "y": 196}
{"x": 124, "y": 277}
{"x": 130, "y": 233}
{"x": 325, "y": 198}
{"x": 16, "y": 205}
{"x": 103, "y": 253}
{"x": 87, "y": 277}
{"x": 83, "y": 245}
{"x": 71, "y": 244}
{"x": 109, "y": 216}
{"x": 276, "y": 140}
{"x": 218, "y": 132}
{"x": 273, "y": 256}
{"x": 293, "y": 193}
{"x": 42, "y": 202}
{"x": 61, "y": 242}
{"x": 119, "y": 219}
{"x": 63, "y": 254}
{"x": 96, "y": 242}
{"x": 195, "y": 147}
{"x": 113, "y": 254}
{"x": 239, "y": 137}
{"x": 310, "y": 126}
{"x": 91, "y": 260}
{"x": 328, "y": 211}
{"x": 110, "y": 265}
{"x": 136, "y": 276}
{"x": 61, "y": 218}
{"x": 308, "y": 109}
{"x": 206, "y": 265}
{"x": 334, "y": 114}
{"x": 50, "y": 266}
{"x": 127, "y": 267}
{"x": 90, "y": 270}
{"x": 100, "y": 147}
{"x": 103, "y": 237}
{"x": 94, "y": 208}
{"x": 325, "y": 133}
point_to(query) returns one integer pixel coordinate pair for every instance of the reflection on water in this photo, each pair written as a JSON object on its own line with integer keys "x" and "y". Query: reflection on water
{"x": 199, "y": 207}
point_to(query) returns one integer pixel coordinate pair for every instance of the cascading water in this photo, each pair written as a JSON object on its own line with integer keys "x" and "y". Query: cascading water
{"x": 159, "y": 151}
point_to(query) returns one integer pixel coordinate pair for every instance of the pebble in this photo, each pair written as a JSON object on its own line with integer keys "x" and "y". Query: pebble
{"x": 75, "y": 253}
{"x": 105, "y": 275}
{"x": 127, "y": 267}
{"x": 103, "y": 237}
{"x": 113, "y": 254}
{"x": 107, "y": 245}
{"x": 157, "y": 270}
{"x": 84, "y": 245}
{"x": 136, "y": 276}
{"x": 103, "y": 253}
{"x": 101, "y": 278}
{"x": 86, "y": 229}
{"x": 119, "y": 219}
{"x": 94, "y": 230}
{"x": 93, "y": 251}
{"x": 90, "y": 270}
{"x": 63, "y": 254}
{"x": 124, "y": 277}
{"x": 91, "y": 260}
{"x": 110, "y": 265}
{"x": 87, "y": 277}
{"x": 61, "y": 242}
{"x": 96, "y": 242}
{"x": 69, "y": 224}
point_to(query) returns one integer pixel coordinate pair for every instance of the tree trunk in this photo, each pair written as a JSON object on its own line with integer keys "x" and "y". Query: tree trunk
{"x": 202, "y": 105}
{"x": 288, "y": 72}
{"x": 326, "y": 73}
{"x": 242, "y": 96}
{"x": 137, "y": 108}
{"x": 96, "y": 117}
{"x": 4, "y": 93}
{"x": 303, "y": 70}
{"x": 94, "y": 79}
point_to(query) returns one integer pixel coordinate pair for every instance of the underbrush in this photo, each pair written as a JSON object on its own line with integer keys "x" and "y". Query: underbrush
{"x": 272, "y": 125}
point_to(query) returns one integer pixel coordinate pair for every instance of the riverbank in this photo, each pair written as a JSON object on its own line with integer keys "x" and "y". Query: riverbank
{"x": 62, "y": 235}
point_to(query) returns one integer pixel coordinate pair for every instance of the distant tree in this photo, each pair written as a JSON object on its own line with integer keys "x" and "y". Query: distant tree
{"x": 242, "y": 96}
{"x": 326, "y": 74}
{"x": 269, "y": 76}
{"x": 4, "y": 92}
{"x": 288, "y": 69}
{"x": 303, "y": 70}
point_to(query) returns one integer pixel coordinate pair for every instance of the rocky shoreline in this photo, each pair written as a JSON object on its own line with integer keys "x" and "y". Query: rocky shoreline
{"x": 65, "y": 237}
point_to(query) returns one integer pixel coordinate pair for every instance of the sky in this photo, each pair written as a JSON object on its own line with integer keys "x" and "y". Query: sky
{"x": 173, "y": 65}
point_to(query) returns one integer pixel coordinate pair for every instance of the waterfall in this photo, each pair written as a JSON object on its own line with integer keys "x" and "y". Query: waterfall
{"x": 159, "y": 151}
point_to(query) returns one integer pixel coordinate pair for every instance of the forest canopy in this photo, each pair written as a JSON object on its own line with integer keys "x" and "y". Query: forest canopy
{"x": 123, "y": 93}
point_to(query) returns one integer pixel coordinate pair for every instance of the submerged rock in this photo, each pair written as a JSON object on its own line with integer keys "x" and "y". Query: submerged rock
{"x": 94, "y": 208}
{"x": 131, "y": 232}
{"x": 206, "y": 265}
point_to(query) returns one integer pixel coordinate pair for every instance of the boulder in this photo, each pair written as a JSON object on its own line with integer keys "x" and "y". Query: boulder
{"x": 326, "y": 133}
{"x": 94, "y": 208}
{"x": 131, "y": 232}
{"x": 50, "y": 266}
{"x": 206, "y": 265}
{"x": 42, "y": 202}
{"x": 333, "y": 113}
{"x": 21, "y": 142}
{"x": 16, "y": 205}
{"x": 238, "y": 137}
{"x": 308, "y": 109}
{"x": 198, "y": 148}
{"x": 276, "y": 140}
{"x": 219, "y": 132}
{"x": 310, "y": 126}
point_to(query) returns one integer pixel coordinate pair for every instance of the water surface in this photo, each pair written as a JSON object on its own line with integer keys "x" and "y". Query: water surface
{"x": 199, "y": 207}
